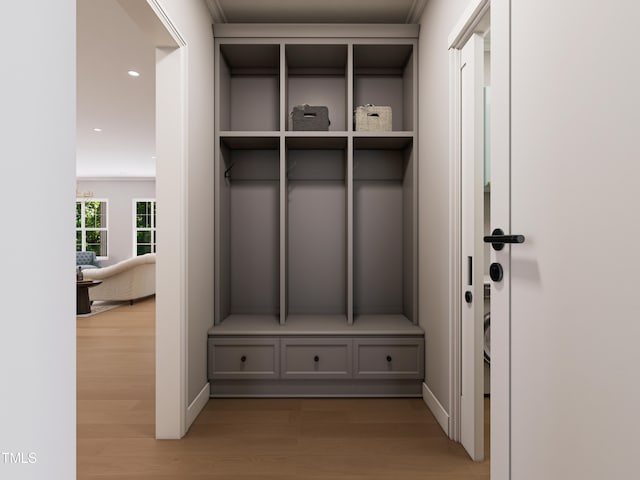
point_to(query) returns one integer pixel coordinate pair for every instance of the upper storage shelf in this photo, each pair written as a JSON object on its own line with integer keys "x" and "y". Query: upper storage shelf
{"x": 384, "y": 75}
{"x": 317, "y": 76}
{"x": 264, "y": 70}
{"x": 249, "y": 95}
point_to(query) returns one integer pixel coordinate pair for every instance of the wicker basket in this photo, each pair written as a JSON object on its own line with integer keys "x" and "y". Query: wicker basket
{"x": 373, "y": 118}
{"x": 310, "y": 118}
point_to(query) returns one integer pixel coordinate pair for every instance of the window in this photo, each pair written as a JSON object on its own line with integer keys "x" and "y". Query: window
{"x": 144, "y": 226}
{"x": 92, "y": 227}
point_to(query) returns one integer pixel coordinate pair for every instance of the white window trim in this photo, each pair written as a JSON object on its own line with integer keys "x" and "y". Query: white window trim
{"x": 134, "y": 227}
{"x": 83, "y": 228}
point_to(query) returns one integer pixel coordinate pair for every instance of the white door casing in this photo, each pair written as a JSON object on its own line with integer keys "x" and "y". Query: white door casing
{"x": 468, "y": 31}
{"x": 472, "y": 250}
{"x": 171, "y": 188}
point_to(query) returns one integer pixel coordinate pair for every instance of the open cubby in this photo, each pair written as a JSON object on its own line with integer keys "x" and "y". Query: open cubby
{"x": 317, "y": 76}
{"x": 249, "y": 211}
{"x": 316, "y": 226}
{"x": 383, "y": 209}
{"x": 249, "y": 87}
{"x": 383, "y": 75}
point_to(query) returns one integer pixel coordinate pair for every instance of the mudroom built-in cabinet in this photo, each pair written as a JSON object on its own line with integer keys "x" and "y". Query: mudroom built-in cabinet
{"x": 315, "y": 230}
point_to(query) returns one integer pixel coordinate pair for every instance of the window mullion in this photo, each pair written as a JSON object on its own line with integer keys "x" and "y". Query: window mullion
{"x": 83, "y": 225}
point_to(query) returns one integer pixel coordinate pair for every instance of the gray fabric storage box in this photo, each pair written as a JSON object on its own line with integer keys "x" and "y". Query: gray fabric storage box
{"x": 307, "y": 117}
{"x": 373, "y": 118}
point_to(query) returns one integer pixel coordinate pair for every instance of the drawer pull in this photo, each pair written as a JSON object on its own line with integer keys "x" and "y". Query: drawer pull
{"x": 243, "y": 358}
{"x": 389, "y": 358}
{"x": 316, "y": 358}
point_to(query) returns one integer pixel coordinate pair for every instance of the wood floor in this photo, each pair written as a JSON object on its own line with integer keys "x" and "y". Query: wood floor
{"x": 352, "y": 439}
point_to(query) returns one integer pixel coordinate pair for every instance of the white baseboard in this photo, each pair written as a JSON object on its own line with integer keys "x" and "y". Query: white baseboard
{"x": 197, "y": 405}
{"x": 436, "y": 408}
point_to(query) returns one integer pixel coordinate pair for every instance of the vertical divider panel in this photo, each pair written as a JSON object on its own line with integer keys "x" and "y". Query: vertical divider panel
{"x": 283, "y": 186}
{"x": 284, "y": 76}
{"x": 350, "y": 87}
{"x": 349, "y": 178}
{"x": 416, "y": 166}
{"x": 217, "y": 313}
{"x": 414, "y": 300}
{"x": 409, "y": 100}
{"x": 409, "y": 233}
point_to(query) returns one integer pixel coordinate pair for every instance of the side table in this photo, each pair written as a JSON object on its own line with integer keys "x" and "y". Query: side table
{"x": 83, "y": 304}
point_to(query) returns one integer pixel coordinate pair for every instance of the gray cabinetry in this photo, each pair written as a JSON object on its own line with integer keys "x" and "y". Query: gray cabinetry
{"x": 362, "y": 365}
{"x": 389, "y": 358}
{"x": 317, "y": 75}
{"x": 315, "y": 231}
{"x": 249, "y": 78}
{"x": 243, "y": 358}
{"x": 315, "y": 357}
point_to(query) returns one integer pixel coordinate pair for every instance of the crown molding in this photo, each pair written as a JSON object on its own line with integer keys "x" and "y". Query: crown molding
{"x": 415, "y": 12}
{"x": 217, "y": 12}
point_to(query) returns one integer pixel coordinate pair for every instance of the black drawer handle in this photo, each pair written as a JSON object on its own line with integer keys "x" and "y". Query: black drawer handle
{"x": 316, "y": 358}
{"x": 243, "y": 358}
{"x": 389, "y": 358}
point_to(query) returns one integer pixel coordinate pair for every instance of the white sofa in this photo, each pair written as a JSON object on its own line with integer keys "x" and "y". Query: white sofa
{"x": 126, "y": 280}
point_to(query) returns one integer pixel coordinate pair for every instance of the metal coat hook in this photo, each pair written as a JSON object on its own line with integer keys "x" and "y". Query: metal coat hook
{"x": 227, "y": 172}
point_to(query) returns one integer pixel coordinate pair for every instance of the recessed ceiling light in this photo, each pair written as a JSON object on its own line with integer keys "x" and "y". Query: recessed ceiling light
{"x": 133, "y": 73}
{"x": 97, "y": 129}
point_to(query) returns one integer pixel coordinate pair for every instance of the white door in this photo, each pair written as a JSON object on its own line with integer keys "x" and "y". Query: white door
{"x": 573, "y": 311}
{"x": 472, "y": 252}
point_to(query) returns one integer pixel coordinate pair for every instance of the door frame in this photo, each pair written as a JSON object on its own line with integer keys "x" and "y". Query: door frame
{"x": 171, "y": 195}
{"x": 471, "y": 73}
{"x": 461, "y": 33}
{"x": 173, "y": 415}
{"x": 469, "y": 23}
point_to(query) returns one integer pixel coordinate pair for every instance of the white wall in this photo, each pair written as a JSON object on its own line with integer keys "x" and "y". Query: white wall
{"x": 200, "y": 251}
{"x": 438, "y": 19}
{"x": 37, "y": 171}
{"x": 192, "y": 20}
{"x": 120, "y": 194}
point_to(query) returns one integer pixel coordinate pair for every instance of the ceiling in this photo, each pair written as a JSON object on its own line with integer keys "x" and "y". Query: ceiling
{"x": 316, "y": 11}
{"x": 109, "y": 44}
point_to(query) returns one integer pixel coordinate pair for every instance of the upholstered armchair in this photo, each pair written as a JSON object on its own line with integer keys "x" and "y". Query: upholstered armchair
{"x": 86, "y": 260}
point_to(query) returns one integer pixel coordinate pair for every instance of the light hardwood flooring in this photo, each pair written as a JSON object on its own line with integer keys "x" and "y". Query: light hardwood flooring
{"x": 351, "y": 439}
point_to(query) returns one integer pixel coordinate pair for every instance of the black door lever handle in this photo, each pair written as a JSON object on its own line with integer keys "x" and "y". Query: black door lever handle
{"x": 497, "y": 239}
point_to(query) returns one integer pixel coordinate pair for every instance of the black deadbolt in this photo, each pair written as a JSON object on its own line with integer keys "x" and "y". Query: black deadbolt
{"x": 495, "y": 272}
{"x": 243, "y": 358}
{"x": 316, "y": 358}
{"x": 468, "y": 297}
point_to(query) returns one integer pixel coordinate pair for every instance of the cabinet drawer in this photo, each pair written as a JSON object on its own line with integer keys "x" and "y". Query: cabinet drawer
{"x": 401, "y": 358}
{"x": 243, "y": 358}
{"x": 315, "y": 358}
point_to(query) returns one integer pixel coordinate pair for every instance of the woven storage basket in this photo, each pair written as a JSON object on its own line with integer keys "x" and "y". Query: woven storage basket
{"x": 309, "y": 117}
{"x": 373, "y": 118}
